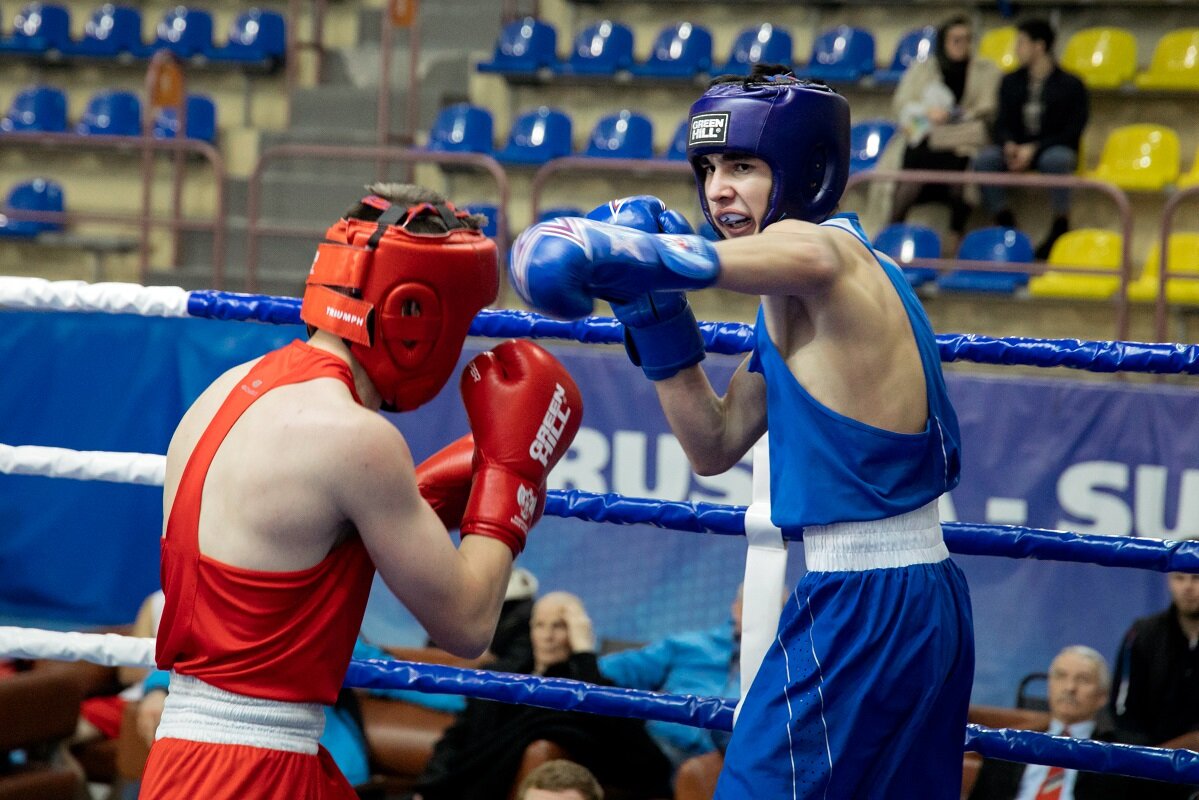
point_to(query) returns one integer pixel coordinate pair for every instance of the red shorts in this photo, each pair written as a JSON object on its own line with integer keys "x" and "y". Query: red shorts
{"x": 179, "y": 769}
{"x": 105, "y": 713}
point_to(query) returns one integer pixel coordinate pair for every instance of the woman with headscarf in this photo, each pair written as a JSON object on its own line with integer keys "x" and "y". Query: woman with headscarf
{"x": 945, "y": 105}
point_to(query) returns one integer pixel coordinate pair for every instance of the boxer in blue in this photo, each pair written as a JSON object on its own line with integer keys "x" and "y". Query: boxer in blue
{"x": 865, "y": 691}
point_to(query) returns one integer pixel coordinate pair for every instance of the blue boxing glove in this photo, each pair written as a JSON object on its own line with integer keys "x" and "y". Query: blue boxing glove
{"x": 660, "y": 332}
{"x": 561, "y": 266}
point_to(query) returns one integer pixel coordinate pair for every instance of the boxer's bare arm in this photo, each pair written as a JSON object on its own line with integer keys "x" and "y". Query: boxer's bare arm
{"x": 787, "y": 258}
{"x": 455, "y": 593}
{"x": 715, "y": 431}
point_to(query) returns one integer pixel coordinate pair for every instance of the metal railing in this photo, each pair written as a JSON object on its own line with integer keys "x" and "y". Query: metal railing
{"x": 255, "y": 229}
{"x": 1038, "y": 181}
{"x": 1160, "y": 302}
{"x": 144, "y": 146}
{"x": 582, "y": 164}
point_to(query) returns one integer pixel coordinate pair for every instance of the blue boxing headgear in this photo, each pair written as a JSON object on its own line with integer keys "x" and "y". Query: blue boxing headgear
{"x": 799, "y": 128}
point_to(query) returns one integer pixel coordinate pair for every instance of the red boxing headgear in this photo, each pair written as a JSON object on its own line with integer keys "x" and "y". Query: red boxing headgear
{"x": 412, "y": 296}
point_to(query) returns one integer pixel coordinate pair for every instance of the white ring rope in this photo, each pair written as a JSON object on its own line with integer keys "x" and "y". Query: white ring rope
{"x": 146, "y": 469}
{"x": 108, "y": 649}
{"x": 113, "y": 298}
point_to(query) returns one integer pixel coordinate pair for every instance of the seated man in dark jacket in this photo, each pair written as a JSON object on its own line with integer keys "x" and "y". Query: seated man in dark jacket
{"x": 480, "y": 753}
{"x": 1042, "y": 113}
{"x": 1078, "y": 686}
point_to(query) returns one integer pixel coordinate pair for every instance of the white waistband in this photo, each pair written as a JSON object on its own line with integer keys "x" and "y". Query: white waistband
{"x": 911, "y": 538}
{"x": 200, "y": 712}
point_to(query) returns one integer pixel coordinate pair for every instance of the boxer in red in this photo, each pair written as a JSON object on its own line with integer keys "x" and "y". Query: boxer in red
{"x": 285, "y": 491}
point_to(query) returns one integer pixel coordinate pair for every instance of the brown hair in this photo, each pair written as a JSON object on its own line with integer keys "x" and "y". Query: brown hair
{"x": 561, "y": 775}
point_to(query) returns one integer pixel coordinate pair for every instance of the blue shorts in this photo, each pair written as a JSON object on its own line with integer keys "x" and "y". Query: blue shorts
{"x": 864, "y": 693}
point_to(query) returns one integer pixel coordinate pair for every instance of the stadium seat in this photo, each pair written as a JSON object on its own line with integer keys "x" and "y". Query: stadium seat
{"x": 255, "y": 37}
{"x": 36, "y": 108}
{"x": 678, "y": 145}
{"x": 1190, "y": 178}
{"x": 184, "y": 31}
{"x": 758, "y": 44}
{"x": 38, "y": 28}
{"x": 914, "y": 46}
{"x": 842, "y": 54}
{"x": 112, "y": 113}
{"x": 1184, "y": 257}
{"x": 682, "y": 50}
{"x": 537, "y": 136}
{"x": 867, "y": 140}
{"x": 1073, "y": 250}
{"x": 489, "y": 210}
{"x": 110, "y": 31}
{"x": 462, "y": 128}
{"x": 625, "y": 134}
{"x": 1175, "y": 63}
{"x": 999, "y": 45}
{"x": 38, "y": 194}
{"x": 604, "y": 48}
{"x": 1104, "y": 58}
{"x": 525, "y": 46}
{"x": 201, "y": 120}
{"x": 561, "y": 211}
{"x": 904, "y": 242}
{"x": 990, "y": 244}
{"x": 1140, "y": 157}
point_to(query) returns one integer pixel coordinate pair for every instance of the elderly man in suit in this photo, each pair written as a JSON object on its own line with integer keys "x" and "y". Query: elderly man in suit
{"x": 1079, "y": 681}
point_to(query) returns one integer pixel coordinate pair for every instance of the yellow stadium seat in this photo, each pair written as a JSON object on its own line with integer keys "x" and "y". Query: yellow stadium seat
{"x": 1184, "y": 257}
{"x": 1087, "y": 247}
{"x": 1139, "y": 157}
{"x": 1190, "y": 178}
{"x": 999, "y": 45}
{"x": 1175, "y": 63}
{"x": 1103, "y": 57}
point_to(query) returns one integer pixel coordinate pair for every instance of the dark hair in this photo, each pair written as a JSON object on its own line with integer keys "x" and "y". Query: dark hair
{"x": 408, "y": 194}
{"x": 764, "y": 73}
{"x": 560, "y": 775}
{"x": 956, "y": 21}
{"x": 1038, "y": 30}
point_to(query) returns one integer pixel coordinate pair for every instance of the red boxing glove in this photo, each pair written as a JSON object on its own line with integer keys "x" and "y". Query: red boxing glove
{"x": 525, "y": 410}
{"x": 444, "y": 480}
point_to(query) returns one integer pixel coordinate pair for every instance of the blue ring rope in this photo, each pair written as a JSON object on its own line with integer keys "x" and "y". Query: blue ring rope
{"x": 1013, "y": 541}
{"x": 717, "y": 714}
{"x": 731, "y": 338}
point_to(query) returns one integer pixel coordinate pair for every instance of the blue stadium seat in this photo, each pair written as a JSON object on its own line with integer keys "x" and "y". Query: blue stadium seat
{"x": 914, "y": 46}
{"x": 867, "y": 140}
{"x": 112, "y": 113}
{"x": 678, "y": 145}
{"x": 37, "y": 108}
{"x": 525, "y": 46}
{"x": 537, "y": 136}
{"x": 255, "y": 37}
{"x": 600, "y": 49}
{"x": 201, "y": 120}
{"x": 560, "y": 211}
{"x": 462, "y": 128}
{"x": 184, "y": 31}
{"x": 682, "y": 50}
{"x": 760, "y": 44}
{"x": 991, "y": 244}
{"x": 39, "y": 28}
{"x": 489, "y": 210}
{"x": 110, "y": 31}
{"x": 38, "y": 194}
{"x": 905, "y": 242}
{"x": 843, "y": 54}
{"x": 625, "y": 134}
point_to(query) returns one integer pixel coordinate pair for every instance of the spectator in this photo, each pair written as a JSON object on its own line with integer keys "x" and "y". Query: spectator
{"x": 560, "y": 780}
{"x": 1042, "y": 113}
{"x": 1078, "y": 687}
{"x": 1156, "y": 692}
{"x": 703, "y": 663}
{"x": 944, "y": 105}
{"x": 481, "y": 751}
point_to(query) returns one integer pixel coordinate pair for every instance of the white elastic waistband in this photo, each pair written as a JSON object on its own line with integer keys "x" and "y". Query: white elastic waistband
{"x": 200, "y": 712}
{"x": 911, "y": 538}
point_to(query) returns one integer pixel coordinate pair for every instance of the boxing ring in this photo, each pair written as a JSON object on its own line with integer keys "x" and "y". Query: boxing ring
{"x": 726, "y": 338}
